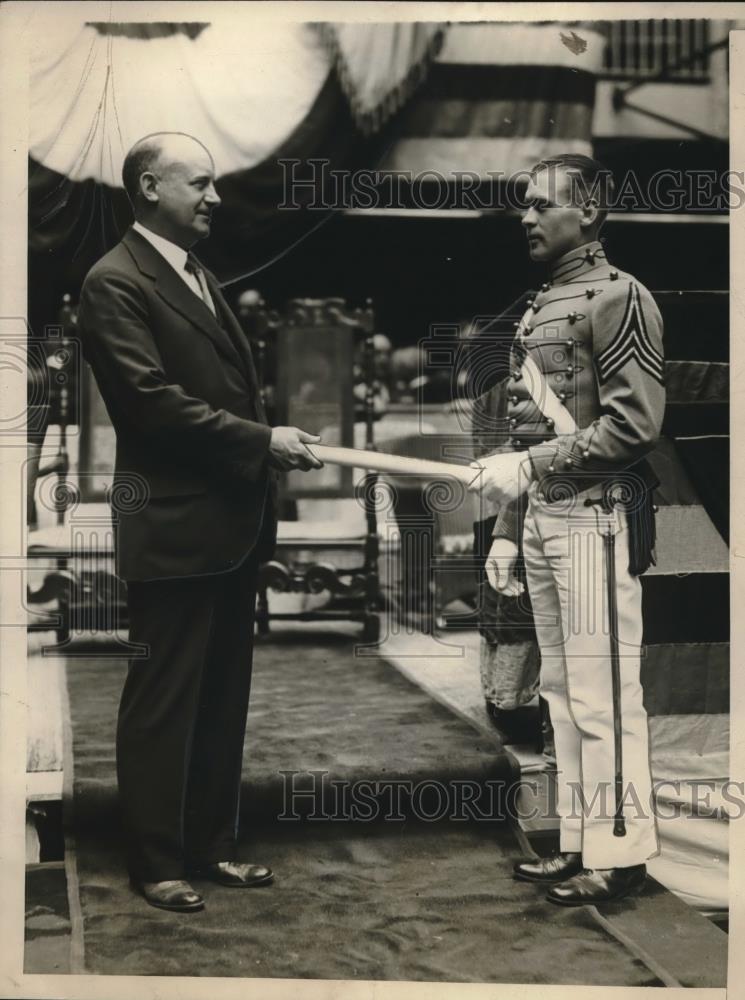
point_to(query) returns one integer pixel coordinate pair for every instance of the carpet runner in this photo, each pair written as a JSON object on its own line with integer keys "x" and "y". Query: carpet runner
{"x": 396, "y": 899}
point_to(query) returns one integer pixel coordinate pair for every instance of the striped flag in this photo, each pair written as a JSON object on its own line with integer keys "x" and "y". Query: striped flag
{"x": 500, "y": 96}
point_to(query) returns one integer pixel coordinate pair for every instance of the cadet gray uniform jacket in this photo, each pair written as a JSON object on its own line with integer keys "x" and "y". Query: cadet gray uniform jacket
{"x": 596, "y": 335}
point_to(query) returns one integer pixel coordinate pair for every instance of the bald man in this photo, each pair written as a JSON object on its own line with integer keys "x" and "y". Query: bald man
{"x": 177, "y": 377}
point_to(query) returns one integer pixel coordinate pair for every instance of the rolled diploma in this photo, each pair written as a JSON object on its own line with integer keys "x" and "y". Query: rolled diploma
{"x": 396, "y": 465}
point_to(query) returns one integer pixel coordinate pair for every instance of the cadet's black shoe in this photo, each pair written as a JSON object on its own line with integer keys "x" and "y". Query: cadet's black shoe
{"x": 553, "y": 869}
{"x": 173, "y": 894}
{"x": 600, "y": 885}
{"x": 237, "y": 874}
{"x": 515, "y": 725}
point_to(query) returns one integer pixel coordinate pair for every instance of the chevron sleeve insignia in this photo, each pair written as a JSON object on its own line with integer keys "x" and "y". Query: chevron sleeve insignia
{"x": 631, "y": 342}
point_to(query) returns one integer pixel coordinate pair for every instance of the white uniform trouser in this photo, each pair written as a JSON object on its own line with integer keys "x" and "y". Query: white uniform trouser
{"x": 565, "y": 566}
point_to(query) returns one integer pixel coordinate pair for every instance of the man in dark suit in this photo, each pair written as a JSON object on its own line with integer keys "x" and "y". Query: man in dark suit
{"x": 195, "y": 452}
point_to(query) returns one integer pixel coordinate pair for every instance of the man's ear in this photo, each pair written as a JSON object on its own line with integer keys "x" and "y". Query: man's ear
{"x": 590, "y": 211}
{"x": 149, "y": 186}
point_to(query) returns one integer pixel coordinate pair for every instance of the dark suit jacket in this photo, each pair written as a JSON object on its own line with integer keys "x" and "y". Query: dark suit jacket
{"x": 193, "y": 493}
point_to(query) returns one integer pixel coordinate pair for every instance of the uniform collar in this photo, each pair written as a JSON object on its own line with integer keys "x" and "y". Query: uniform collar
{"x": 577, "y": 262}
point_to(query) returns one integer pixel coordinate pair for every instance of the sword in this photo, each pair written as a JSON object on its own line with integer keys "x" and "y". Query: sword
{"x": 609, "y": 547}
{"x": 375, "y": 461}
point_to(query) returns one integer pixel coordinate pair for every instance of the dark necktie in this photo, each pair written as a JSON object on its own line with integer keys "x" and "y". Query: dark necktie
{"x": 192, "y": 267}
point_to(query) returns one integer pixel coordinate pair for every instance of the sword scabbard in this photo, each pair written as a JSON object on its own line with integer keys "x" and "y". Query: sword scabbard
{"x": 609, "y": 544}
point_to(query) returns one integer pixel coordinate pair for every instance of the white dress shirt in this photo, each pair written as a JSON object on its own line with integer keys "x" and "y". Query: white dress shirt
{"x": 176, "y": 257}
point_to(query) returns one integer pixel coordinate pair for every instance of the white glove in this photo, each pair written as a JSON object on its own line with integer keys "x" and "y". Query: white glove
{"x": 500, "y": 567}
{"x": 503, "y": 477}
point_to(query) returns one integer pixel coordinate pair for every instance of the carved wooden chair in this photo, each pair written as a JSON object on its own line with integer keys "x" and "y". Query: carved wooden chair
{"x": 71, "y": 585}
{"x": 326, "y": 561}
{"x": 327, "y": 549}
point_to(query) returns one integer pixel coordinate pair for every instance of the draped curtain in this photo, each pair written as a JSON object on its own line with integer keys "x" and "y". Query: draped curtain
{"x": 253, "y": 92}
{"x": 477, "y": 97}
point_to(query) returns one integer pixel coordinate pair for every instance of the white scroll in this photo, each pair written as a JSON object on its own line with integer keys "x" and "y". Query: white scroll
{"x": 396, "y": 465}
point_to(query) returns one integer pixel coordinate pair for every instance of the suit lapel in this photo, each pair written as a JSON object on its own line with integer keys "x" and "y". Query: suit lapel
{"x": 179, "y": 296}
{"x": 239, "y": 339}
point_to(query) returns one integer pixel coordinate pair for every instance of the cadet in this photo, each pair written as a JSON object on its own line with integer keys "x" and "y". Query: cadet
{"x": 586, "y": 399}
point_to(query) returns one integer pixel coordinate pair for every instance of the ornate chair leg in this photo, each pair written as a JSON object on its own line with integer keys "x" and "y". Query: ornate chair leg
{"x": 262, "y": 612}
{"x": 65, "y": 607}
{"x": 371, "y": 628}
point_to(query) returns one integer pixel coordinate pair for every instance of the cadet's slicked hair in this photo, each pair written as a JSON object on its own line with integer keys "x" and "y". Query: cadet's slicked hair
{"x": 143, "y": 156}
{"x": 589, "y": 179}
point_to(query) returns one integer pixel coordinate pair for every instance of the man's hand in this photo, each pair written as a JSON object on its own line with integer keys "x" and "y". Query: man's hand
{"x": 500, "y": 567}
{"x": 287, "y": 449}
{"x": 504, "y": 476}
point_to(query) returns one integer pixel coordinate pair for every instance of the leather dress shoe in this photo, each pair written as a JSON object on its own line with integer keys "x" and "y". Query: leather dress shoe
{"x": 515, "y": 725}
{"x": 174, "y": 894}
{"x": 237, "y": 874}
{"x": 554, "y": 869}
{"x": 600, "y": 885}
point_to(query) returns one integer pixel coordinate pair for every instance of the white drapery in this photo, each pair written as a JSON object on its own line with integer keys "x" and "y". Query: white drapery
{"x": 240, "y": 84}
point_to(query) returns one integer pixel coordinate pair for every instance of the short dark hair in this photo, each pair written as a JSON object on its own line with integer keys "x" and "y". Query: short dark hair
{"x": 596, "y": 179}
{"x": 143, "y": 156}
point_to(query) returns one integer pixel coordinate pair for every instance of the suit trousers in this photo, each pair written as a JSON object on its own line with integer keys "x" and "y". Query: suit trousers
{"x": 182, "y": 720}
{"x": 565, "y": 562}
